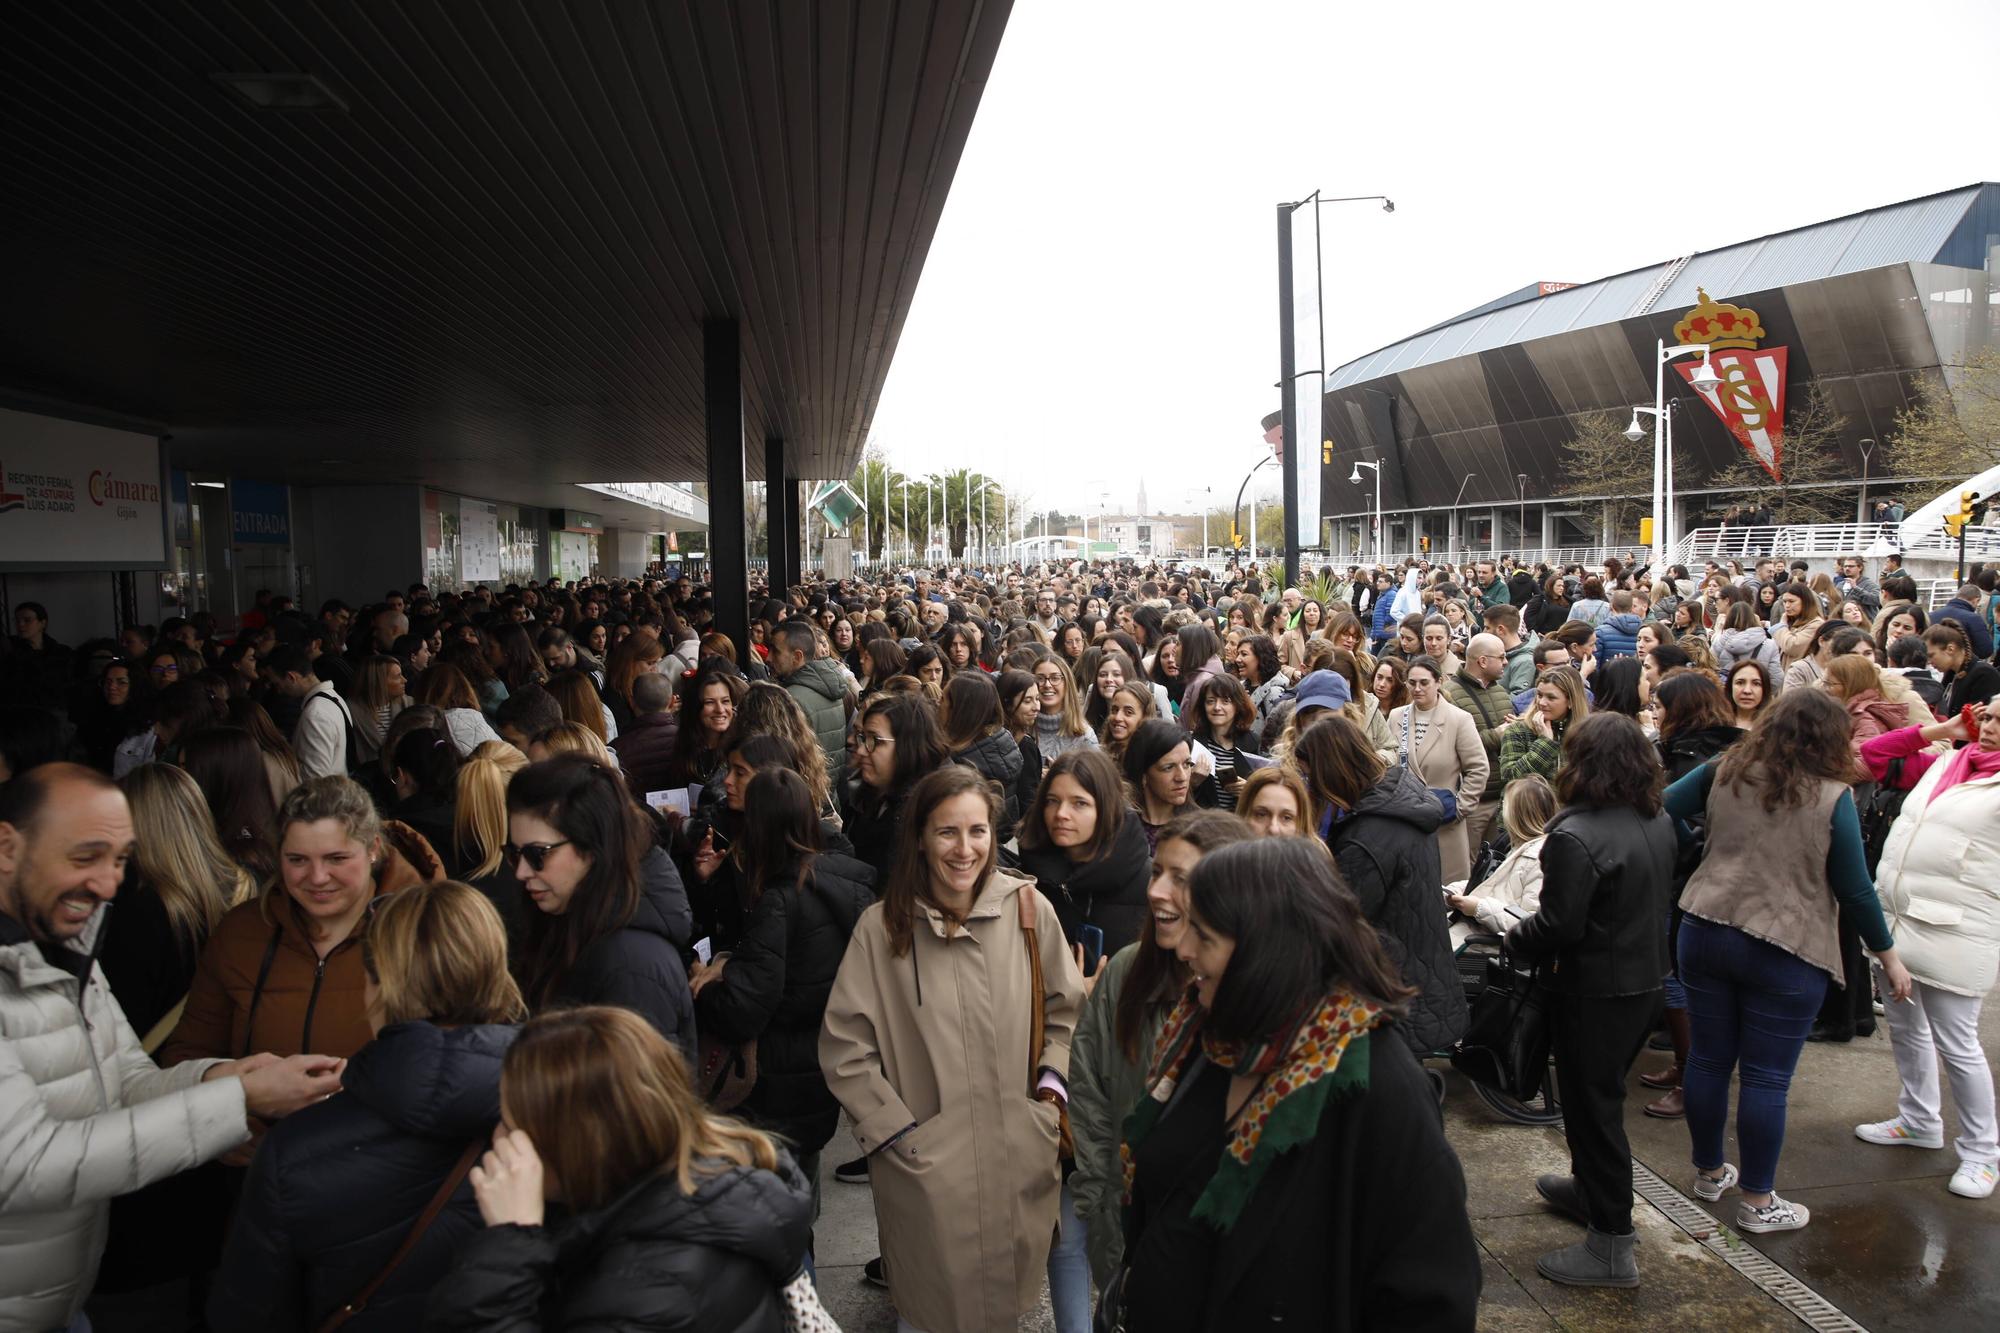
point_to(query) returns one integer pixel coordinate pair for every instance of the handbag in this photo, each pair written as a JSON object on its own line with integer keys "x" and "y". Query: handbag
{"x": 1506, "y": 1042}
{"x": 725, "y": 1071}
{"x": 1039, "y": 992}
{"x": 359, "y": 1301}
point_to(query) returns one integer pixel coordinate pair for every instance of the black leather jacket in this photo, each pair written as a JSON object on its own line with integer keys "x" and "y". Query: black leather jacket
{"x": 1607, "y": 880}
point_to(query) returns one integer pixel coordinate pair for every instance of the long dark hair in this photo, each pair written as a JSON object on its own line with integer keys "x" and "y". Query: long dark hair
{"x": 909, "y": 887}
{"x": 431, "y": 760}
{"x": 1616, "y": 688}
{"x": 590, "y": 806}
{"x": 1690, "y": 701}
{"x": 691, "y": 762}
{"x": 919, "y": 747}
{"x": 780, "y": 826}
{"x": 1152, "y": 740}
{"x": 1157, "y": 976}
{"x": 520, "y": 664}
{"x": 1607, "y": 761}
{"x": 228, "y": 766}
{"x": 1300, "y": 935}
{"x": 1803, "y": 738}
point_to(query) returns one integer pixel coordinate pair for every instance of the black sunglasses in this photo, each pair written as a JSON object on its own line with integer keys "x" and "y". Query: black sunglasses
{"x": 536, "y": 854}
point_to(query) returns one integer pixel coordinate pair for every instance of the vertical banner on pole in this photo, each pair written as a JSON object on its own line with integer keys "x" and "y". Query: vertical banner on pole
{"x": 1302, "y": 524}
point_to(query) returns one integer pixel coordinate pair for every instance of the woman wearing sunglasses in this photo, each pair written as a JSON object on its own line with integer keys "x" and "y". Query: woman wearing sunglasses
{"x": 602, "y": 932}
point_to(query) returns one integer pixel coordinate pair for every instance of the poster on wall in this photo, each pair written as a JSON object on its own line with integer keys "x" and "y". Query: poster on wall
{"x": 479, "y": 541}
{"x": 74, "y": 496}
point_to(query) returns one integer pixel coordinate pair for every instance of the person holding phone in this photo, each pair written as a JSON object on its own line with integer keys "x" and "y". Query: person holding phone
{"x": 602, "y": 932}
{"x": 1087, "y": 849}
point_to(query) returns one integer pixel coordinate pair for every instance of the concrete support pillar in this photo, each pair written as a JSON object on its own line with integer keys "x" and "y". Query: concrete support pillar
{"x": 728, "y": 546}
{"x": 781, "y": 517}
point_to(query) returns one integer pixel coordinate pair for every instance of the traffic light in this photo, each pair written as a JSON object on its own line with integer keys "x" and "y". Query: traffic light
{"x": 1956, "y": 520}
{"x": 1646, "y": 531}
{"x": 1424, "y": 544}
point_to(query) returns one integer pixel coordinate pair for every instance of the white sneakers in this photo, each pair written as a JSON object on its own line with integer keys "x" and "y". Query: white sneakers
{"x": 1974, "y": 1180}
{"x": 1897, "y": 1133}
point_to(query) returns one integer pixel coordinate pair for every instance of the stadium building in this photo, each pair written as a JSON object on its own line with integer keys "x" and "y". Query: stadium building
{"x": 1468, "y": 420}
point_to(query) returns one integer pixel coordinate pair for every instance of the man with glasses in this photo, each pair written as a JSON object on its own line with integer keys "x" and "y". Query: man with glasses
{"x": 1477, "y": 689}
{"x": 1855, "y": 584}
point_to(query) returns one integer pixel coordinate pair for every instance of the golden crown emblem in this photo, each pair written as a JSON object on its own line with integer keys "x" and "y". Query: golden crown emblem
{"x": 1719, "y": 325}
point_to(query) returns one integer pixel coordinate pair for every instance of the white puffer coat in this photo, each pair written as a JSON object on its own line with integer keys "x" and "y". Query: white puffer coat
{"x": 84, "y": 1116}
{"x": 1939, "y": 880}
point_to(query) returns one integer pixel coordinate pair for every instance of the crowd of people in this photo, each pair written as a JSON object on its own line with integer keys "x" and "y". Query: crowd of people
{"x": 510, "y": 958}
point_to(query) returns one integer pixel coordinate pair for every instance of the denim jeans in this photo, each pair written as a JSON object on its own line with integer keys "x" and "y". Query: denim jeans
{"x": 1069, "y": 1271}
{"x": 1750, "y": 1005}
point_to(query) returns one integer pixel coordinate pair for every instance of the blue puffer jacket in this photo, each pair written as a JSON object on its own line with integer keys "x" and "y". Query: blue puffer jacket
{"x": 1382, "y": 623}
{"x": 1618, "y": 636}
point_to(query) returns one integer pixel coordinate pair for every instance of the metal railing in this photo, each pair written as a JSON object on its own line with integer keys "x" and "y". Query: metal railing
{"x": 1806, "y": 540}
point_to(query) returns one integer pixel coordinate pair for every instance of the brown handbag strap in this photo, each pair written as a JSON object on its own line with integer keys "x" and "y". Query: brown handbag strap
{"x": 1038, "y": 987}
{"x": 416, "y": 1233}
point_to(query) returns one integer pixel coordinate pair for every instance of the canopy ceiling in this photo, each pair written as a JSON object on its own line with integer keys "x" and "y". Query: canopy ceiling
{"x": 485, "y": 261}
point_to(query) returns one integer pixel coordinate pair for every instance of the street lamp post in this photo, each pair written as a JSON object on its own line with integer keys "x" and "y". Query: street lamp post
{"x": 1704, "y": 379}
{"x": 1521, "y": 519}
{"x": 1288, "y": 371}
{"x": 1861, "y": 510}
{"x": 1457, "y": 523}
{"x": 1355, "y": 478}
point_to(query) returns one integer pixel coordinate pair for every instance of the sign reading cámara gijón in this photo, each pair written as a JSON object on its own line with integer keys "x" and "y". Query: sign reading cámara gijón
{"x": 76, "y": 496}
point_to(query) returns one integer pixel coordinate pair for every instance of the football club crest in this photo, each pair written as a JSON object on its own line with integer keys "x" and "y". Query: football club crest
{"x": 1750, "y": 398}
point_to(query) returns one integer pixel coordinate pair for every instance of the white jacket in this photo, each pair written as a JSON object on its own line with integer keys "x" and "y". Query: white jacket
{"x": 1512, "y": 892}
{"x": 84, "y": 1115}
{"x": 1939, "y": 880}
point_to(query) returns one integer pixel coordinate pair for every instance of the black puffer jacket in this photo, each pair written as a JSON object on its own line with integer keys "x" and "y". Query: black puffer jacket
{"x": 712, "y": 1261}
{"x": 775, "y": 989}
{"x": 1387, "y": 852}
{"x": 336, "y": 1187}
{"x": 639, "y": 966}
{"x": 998, "y": 759}
{"x": 1691, "y": 749}
{"x": 1109, "y": 893}
{"x": 1607, "y": 881}
{"x": 870, "y": 818}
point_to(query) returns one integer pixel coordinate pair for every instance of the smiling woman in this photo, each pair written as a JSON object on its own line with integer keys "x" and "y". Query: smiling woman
{"x": 962, "y": 1138}
{"x": 283, "y": 973}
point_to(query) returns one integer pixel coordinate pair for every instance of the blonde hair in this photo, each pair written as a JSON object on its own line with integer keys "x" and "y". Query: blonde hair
{"x": 438, "y": 952}
{"x": 479, "y": 826}
{"x": 177, "y": 852}
{"x": 332, "y": 797}
{"x": 1527, "y": 807}
{"x": 575, "y": 738}
{"x": 608, "y": 1103}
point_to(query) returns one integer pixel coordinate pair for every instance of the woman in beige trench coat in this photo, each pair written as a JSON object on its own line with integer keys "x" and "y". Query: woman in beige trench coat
{"x": 1439, "y": 742}
{"x": 926, "y": 1046}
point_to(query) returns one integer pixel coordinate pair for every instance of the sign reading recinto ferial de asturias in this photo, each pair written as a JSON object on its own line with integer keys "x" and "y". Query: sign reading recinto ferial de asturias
{"x": 76, "y": 496}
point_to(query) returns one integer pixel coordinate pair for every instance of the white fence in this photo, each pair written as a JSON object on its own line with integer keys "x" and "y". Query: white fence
{"x": 1825, "y": 540}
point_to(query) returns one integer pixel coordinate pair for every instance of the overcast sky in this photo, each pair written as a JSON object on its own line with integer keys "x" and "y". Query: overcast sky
{"x": 1101, "y": 299}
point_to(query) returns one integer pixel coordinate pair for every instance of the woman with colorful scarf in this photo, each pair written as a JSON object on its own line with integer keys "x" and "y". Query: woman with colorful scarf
{"x": 1284, "y": 1164}
{"x": 1939, "y": 879}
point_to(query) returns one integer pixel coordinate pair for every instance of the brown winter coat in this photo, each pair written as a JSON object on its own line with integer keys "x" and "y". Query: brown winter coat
{"x": 966, "y": 1201}
{"x": 307, "y": 1005}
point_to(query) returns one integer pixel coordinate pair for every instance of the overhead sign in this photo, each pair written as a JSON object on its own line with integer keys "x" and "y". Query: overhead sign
{"x": 260, "y": 513}
{"x": 74, "y": 496}
{"x": 1751, "y": 397}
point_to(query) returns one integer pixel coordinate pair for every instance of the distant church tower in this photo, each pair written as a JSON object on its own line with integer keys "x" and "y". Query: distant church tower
{"x": 1143, "y": 511}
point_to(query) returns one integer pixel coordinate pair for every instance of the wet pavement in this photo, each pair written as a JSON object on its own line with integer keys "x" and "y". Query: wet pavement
{"x": 1888, "y": 1244}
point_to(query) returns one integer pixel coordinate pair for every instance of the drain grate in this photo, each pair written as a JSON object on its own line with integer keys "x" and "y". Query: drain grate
{"x": 1813, "y": 1309}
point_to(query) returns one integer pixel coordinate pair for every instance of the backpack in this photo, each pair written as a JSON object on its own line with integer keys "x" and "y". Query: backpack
{"x": 1878, "y": 804}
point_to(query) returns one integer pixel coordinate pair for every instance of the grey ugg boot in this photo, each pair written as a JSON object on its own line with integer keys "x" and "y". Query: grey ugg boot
{"x": 1559, "y": 1192}
{"x": 1599, "y": 1261}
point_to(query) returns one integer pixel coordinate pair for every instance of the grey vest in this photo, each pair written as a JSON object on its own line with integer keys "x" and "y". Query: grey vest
{"x": 1764, "y": 872}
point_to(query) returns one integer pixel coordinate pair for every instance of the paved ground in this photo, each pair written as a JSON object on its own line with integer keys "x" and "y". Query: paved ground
{"x": 1887, "y": 1244}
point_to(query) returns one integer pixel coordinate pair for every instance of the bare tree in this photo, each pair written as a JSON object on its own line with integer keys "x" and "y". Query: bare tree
{"x": 1949, "y": 433}
{"x": 1601, "y": 465}
{"x": 1810, "y": 459}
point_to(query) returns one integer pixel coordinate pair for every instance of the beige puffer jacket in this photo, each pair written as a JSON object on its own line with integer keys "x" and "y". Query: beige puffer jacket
{"x": 84, "y": 1116}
